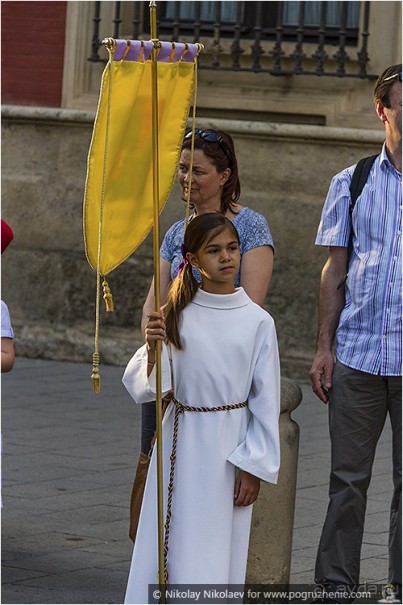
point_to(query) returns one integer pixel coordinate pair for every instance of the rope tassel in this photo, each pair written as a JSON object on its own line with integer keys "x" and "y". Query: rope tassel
{"x": 95, "y": 376}
{"x": 107, "y": 296}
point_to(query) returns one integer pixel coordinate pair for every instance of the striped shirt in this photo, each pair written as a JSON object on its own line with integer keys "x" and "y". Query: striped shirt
{"x": 369, "y": 334}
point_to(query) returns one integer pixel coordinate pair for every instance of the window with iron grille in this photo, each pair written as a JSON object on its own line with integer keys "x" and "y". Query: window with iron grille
{"x": 204, "y": 16}
{"x": 281, "y": 38}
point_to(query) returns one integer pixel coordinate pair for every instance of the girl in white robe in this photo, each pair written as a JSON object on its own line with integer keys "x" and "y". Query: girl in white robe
{"x": 219, "y": 350}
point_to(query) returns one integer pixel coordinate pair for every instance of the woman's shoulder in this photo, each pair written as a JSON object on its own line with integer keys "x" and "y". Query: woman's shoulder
{"x": 174, "y": 232}
{"x": 253, "y": 229}
{"x": 247, "y": 217}
{"x": 173, "y": 229}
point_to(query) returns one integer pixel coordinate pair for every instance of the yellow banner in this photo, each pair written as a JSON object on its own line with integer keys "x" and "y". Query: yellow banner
{"x": 118, "y": 201}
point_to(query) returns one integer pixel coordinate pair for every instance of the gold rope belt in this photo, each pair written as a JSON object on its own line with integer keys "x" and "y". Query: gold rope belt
{"x": 181, "y": 409}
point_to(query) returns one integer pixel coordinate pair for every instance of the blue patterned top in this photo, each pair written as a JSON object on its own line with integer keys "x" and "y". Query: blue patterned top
{"x": 252, "y": 227}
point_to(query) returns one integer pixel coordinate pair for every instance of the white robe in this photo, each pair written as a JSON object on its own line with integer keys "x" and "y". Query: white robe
{"x": 229, "y": 355}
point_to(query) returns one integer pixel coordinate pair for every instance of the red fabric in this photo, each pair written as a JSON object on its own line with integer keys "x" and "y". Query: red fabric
{"x": 6, "y": 235}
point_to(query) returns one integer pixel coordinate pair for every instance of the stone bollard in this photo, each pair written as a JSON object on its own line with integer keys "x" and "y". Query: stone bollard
{"x": 269, "y": 557}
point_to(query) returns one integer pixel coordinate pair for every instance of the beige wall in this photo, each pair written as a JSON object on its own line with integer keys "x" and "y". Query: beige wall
{"x": 285, "y": 171}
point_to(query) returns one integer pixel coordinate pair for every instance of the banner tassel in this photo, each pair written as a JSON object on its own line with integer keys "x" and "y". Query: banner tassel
{"x": 95, "y": 376}
{"x": 107, "y": 296}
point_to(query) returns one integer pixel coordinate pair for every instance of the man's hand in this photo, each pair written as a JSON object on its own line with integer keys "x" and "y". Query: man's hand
{"x": 246, "y": 490}
{"x": 331, "y": 303}
{"x": 321, "y": 374}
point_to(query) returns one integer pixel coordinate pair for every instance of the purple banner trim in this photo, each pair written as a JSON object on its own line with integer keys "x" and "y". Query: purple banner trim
{"x": 165, "y": 52}
{"x": 170, "y": 52}
{"x": 191, "y": 54}
{"x": 133, "y": 53}
{"x": 119, "y": 49}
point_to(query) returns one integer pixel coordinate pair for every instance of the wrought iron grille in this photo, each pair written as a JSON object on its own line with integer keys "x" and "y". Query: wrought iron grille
{"x": 279, "y": 38}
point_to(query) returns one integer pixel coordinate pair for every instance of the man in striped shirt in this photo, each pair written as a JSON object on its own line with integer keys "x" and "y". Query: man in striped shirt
{"x": 363, "y": 316}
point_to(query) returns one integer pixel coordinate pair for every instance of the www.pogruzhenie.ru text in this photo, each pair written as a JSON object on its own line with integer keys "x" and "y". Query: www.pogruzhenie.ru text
{"x": 237, "y": 594}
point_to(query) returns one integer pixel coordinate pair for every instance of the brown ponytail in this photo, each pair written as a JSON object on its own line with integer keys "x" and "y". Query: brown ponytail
{"x": 181, "y": 292}
{"x": 201, "y": 229}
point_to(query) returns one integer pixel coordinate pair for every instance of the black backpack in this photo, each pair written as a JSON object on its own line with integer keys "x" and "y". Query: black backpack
{"x": 358, "y": 180}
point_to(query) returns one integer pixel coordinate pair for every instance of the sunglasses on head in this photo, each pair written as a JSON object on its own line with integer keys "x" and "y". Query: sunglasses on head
{"x": 393, "y": 77}
{"x": 211, "y": 136}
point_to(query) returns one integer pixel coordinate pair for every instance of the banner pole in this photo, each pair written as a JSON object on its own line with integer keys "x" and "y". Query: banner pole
{"x": 157, "y": 297}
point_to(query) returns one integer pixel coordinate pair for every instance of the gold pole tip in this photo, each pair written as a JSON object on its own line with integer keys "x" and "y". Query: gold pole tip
{"x": 109, "y": 43}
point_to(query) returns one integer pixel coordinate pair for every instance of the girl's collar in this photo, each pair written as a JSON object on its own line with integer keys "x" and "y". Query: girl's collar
{"x": 237, "y": 299}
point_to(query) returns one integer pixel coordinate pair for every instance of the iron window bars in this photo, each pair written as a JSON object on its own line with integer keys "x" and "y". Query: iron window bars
{"x": 279, "y": 38}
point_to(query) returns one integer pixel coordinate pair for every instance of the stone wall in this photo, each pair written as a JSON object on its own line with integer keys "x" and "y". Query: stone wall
{"x": 48, "y": 284}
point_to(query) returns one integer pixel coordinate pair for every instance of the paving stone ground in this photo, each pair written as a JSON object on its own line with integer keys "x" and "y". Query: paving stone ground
{"x": 67, "y": 468}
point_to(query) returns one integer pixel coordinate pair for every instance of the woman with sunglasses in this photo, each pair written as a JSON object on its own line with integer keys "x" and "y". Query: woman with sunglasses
{"x": 214, "y": 187}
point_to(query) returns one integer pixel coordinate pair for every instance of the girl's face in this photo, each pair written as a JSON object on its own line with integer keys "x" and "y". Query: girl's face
{"x": 207, "y": 183}
{"x": 218, "y": 261}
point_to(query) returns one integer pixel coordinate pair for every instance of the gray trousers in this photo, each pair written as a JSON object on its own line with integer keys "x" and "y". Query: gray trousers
{"x": 358, "y": 405}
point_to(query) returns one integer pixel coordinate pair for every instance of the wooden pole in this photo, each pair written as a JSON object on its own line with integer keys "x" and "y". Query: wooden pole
{"x": 157, "y": 297}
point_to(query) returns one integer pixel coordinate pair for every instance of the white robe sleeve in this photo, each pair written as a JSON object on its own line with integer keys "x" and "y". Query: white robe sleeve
{"x": 259, "y": 453}
{"x": 140, "y": 386}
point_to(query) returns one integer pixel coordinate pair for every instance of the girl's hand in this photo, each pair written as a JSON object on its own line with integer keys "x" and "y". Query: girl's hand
{"x": 246, "y": 490}
{"x": 154, "y": 330}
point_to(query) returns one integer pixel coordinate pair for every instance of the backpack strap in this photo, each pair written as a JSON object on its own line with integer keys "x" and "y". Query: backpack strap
{"x": 360, "y": 177}
{"x": 358, "y": 180}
